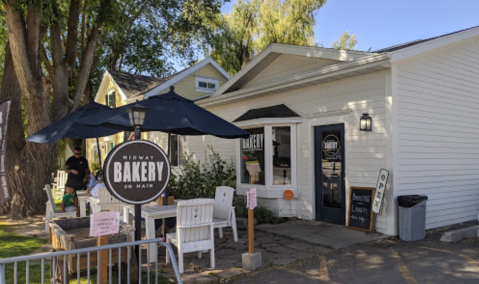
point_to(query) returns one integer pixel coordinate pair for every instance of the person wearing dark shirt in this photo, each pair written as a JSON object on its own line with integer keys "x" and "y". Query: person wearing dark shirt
{"x": 77, "y": 168}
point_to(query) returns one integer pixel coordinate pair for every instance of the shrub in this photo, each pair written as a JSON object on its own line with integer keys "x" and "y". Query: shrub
{"x": 199, "y": 179}
{"x": 262, "y": 214}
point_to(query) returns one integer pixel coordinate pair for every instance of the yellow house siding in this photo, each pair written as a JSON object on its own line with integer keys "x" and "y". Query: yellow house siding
{"x": 187, "y": 87}
{"x": 115, "y": 139}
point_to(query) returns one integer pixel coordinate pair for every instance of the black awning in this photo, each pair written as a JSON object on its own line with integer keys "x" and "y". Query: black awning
{"x": 276, "y": 111}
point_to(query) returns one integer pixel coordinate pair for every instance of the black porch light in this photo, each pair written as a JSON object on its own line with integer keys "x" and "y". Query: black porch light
{"x": 137, "y": 118}
{"x": 365, "y": 122}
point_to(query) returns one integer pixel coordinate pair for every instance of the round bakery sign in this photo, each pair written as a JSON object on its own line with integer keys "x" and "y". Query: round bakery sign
{"x": 137, "y": 171}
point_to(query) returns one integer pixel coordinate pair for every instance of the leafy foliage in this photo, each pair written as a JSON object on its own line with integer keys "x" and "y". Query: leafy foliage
{"x": 346, "y": 42}
{"x": 262, "y": 214}
{"x": 197, "y": 179}
{"x": 253, "y": 24}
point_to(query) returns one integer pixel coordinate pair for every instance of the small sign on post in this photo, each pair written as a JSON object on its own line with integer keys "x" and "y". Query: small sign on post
{"x": 251, "y": 260}
{"x": 103, "y": 224}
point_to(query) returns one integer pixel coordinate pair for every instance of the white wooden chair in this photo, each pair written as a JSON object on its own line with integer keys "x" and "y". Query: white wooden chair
{"x": 51, "y": 210}
{"x": 105, "y": 201}
{"x": 224, "y": 211}
{"x": 59, "y": 184}
{"x": 194, "y": 230}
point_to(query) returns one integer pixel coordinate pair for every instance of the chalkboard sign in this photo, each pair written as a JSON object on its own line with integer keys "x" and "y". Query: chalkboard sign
{"x": 360, "y": 213}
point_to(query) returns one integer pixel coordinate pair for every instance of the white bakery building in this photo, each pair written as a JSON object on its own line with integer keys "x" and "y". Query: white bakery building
{"x": 303, "y": 106}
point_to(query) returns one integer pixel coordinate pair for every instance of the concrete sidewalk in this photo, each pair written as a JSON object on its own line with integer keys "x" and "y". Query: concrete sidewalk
{"x": 319, "y": 233}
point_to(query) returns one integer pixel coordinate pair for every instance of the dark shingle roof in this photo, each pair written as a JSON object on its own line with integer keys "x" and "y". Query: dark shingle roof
{"x": 411, "y": 43}
{"x": 133, "y": 85}
{"x": 272, "y": 111}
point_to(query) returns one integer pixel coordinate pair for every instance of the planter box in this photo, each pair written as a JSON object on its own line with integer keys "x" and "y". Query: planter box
{"x": 70, "y": 234}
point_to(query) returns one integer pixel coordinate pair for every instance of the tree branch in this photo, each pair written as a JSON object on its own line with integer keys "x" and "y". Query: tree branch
{"x": 33, "y": 21}
{"x": 18, "y": 47}
{"x": 87, "y": 62}
{"x": 72, "y": 39}
{"x": 46, "y": 62}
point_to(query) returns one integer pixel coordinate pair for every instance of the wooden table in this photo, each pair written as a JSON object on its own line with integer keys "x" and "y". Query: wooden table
{"x": 82, "y": 196}
{"x": 150, "y": 212}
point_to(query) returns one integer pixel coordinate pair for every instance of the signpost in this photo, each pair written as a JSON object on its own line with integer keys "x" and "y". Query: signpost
{"x": 251, "y": 204}
{"x": 137, "y": 172}
{"x": 251, "y": 260}
{"x": 103, "y": 224}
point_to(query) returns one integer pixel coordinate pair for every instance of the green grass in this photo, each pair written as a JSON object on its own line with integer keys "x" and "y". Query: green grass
{"x": 12, "y": 245}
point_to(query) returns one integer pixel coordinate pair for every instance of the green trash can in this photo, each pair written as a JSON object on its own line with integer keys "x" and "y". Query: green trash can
{"x": 412, "y": 217}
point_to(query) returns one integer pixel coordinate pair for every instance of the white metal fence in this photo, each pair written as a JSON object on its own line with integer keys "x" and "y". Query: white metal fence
{"x": 59, "y": 272}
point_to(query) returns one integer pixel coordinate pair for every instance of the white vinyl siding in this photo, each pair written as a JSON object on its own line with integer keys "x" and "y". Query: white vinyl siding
{"x": 438, "y": 132}
{"x": 319, "y": 105}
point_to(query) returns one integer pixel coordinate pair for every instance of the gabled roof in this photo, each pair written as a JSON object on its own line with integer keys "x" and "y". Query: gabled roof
{"x": 130, "y": 86}
{"x": 273, "y": 51}
{"x": 133, "y": 85}
{"x": 185, "y": 73}
{"x": 349, "y": 64}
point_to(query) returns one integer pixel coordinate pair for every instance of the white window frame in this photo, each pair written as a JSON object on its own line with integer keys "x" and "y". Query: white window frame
{"x": 110, "y": 92}
{"x": 268, "y": 152}
{"x": 199, "y": 79}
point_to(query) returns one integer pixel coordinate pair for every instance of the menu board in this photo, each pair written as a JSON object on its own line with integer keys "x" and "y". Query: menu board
{"x": 360, "y": 214}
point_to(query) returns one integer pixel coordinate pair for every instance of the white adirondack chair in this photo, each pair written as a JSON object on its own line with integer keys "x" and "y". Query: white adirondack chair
{"x": 224, "y": 211}
{"x": 59, "y": 185}
{"x": 105, "y": 201}
{"x": 51, "y": 210}
{"x": 194, "y": 230}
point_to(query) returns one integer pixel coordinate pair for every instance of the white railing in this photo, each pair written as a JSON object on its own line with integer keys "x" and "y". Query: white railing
{"x": 60, "y": 270}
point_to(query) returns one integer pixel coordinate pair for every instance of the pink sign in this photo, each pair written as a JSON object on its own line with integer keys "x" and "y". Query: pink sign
{"x": 104, "y": 223}
{"x": 251, "y": 199}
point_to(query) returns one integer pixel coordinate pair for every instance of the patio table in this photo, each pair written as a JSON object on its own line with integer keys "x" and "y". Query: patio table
{"x": 150, "y": 212}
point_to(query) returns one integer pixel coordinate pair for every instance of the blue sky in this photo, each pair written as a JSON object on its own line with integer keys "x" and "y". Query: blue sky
{"x": 382, "y": 23}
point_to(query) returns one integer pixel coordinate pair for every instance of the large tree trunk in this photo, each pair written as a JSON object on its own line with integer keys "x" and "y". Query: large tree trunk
{"x": 28, "y": 164}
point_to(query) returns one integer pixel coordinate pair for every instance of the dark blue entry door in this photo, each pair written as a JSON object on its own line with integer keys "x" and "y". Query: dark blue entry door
{"x": 329, "y": 173}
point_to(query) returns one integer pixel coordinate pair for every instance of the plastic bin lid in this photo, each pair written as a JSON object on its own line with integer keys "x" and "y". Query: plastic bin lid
{"x": 411, "y": 200}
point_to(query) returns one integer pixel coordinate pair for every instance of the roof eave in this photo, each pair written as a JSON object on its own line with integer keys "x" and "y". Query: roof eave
{"x": 329, "y": 73}
{"x": 307, "y": 51}
{"x": 428, "y": 46}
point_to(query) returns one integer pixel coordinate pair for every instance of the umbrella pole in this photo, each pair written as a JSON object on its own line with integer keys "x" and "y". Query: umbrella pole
{"x": 99, "y": 152}
{"x": 167, "y": 190}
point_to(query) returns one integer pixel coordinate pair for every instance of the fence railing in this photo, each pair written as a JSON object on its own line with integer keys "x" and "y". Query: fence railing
{"x": 59, "y": 272}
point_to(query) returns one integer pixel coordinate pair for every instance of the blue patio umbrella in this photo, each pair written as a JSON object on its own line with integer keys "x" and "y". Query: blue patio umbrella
{"x": 70, "y": 126}
{"x": 172, "y": 114}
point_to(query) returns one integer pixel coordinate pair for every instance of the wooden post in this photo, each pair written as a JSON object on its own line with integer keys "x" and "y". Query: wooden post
{"x": 251, "y": 230}
{"x": 103, "y": 269}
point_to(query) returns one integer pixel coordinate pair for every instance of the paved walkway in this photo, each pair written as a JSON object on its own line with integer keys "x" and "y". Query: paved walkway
{"x": 319, "y": 233}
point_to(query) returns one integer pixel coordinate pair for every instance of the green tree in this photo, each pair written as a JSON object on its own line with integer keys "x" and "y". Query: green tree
{"x": 346, "y": 42}
{"x": 54, "y": 49}
{"x": 253, "y": 24}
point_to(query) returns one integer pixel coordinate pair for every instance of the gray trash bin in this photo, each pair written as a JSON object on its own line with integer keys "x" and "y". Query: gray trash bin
{"x": 412, "y": 217}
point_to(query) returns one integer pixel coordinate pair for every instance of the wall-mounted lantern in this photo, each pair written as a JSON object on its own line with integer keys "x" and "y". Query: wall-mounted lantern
{"x": 365, "y": 122}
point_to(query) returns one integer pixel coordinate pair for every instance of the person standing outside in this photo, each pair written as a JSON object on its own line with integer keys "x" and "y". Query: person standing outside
{"x": 77, "y": 168}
